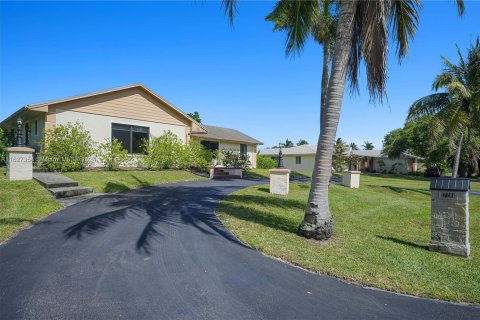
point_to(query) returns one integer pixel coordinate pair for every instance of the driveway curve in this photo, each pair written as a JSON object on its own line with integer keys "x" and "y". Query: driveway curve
{"x": 161, "y": 253}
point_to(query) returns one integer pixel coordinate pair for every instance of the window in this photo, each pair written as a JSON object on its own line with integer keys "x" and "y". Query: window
{"x": 210, "y": 145}
{"x": 243, "y": 149}
{"x": 131, "y": 137}
{"x": 298, "y": 160}
{"x": 36, "y": 128}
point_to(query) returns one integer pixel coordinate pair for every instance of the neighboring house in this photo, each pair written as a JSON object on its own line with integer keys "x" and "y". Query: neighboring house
{"x": 130, "y": 114}
{"x": 218, "y": 138}
{"x": 302, "y": 158}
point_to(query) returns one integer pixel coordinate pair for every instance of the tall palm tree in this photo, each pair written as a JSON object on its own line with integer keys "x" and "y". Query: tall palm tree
{"x": 287, "y": 144}
{"x": 353, "y": 146}
{"x": 361, "y": 33}
{"x": 456, "y": 111}
{"x": 367, "y": 145}
{"x": 301, "y": 142}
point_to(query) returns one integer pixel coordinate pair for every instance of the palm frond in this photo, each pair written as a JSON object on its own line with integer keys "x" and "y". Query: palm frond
{"x": 230, "y": 9}
{"x": 429, "y": 105}
{"x": 403, "y": 19}
{"x": 460, "y": 7}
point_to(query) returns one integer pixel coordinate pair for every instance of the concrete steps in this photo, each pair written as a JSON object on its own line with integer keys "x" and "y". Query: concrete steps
{"x": 219, "y": 173}
{"x": 59, "y": 185}
{"x": 66, "y": 192}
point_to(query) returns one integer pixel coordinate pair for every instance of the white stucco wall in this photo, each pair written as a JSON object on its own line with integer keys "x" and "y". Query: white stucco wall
{"x": 100, "y": 127}
{"x": 306, "y": 165}
{"x": 251, "y": 150}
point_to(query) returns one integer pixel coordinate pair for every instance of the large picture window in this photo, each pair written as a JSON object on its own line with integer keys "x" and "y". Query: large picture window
{"x": 210, "y": 145}
{"x": 131, "y": 137}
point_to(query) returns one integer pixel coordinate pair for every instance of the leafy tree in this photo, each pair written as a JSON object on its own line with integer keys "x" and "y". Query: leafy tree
{"x": 112, "y": 154}
{"x": 301, "y": 142}
{"x": 362, "y": 34}
{"x": 195, "y": 116}
{"x": 353, "y": 146}
{"x": 6, "y": 140}
{"x": 456, "y": 111}
{"x": 264, "y": 162}
{"x": 368, "y": 145}
{"x": 339, "y": 155}
{"x": 67, "y": 147}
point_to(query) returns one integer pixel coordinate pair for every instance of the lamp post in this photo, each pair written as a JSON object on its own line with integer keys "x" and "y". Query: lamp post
{"x": 280, "y": 157}
{"x": 19, "y": 132}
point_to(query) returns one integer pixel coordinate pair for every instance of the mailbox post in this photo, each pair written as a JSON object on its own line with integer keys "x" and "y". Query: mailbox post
{"x": 450, "y": 216}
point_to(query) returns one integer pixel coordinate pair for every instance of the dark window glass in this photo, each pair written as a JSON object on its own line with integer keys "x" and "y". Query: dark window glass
{"x": 243, "y": 149}
{"x": 298, "y": 160}
{"x": 131, "y": 137}
{"x": 210, "y": 145}
{"x": 36, "y": 127}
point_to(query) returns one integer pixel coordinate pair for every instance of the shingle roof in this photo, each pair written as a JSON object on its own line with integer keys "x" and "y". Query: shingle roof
{"x": 227, "y": 134}
{"x": 299, "y": 150}
{"x": 307, "y": 149}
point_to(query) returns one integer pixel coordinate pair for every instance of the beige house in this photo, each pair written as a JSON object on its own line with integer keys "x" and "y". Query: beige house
{"x": 302, "y": 158}
{"x": 130, "y": 114}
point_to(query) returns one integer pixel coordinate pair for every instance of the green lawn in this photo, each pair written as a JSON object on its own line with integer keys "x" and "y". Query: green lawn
{"x": 382, "y": 232}
{"x": 114, "y": 181}
{"x": 22, "y": 203}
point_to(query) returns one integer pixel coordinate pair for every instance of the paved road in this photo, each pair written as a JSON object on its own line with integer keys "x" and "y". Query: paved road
{"x": 160, "y": 253}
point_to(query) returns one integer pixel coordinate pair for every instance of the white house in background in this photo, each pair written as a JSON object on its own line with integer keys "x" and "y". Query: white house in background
{"x": 301, "y": 159}
{"x": 130, "y": 114}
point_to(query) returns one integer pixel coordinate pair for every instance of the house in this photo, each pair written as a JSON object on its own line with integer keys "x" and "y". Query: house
{"x": 301, "y": 159}
{"x": 130, "y": 114}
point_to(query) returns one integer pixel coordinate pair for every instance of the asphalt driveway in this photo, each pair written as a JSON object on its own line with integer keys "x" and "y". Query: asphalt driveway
{"x": 160, "y": 253}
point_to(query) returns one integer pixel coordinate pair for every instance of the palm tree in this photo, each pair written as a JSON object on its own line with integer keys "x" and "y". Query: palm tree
{"x": 353, "y": 146}
{"x": 339, "y": 155}
{"x": 287, "y": 144}
{"x": 367, "y": 145}
{"x": 301, "y": 142}
{"x": 301, "y": 19}
{"x": 456, "y": 111}
{"x": 361, "y": 33}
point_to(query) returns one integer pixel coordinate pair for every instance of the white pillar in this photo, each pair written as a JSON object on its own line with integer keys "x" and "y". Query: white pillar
{"x": 279, "y": 181}
{"x": 19, "y": 163}
{"x": 351, "y": 179}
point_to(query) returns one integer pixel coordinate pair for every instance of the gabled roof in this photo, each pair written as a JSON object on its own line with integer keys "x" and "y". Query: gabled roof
{"x": 226, "y": 134}
{"x": 311, "y": 149}
{"x": 298, "y": 150}
{"x": 42, "y": 105}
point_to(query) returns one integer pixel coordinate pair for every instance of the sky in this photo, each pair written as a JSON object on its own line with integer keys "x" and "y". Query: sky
{"x": 187, "y": 52}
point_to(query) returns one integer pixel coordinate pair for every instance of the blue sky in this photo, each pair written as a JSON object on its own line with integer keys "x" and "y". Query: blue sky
{"x": 187, "y": 53}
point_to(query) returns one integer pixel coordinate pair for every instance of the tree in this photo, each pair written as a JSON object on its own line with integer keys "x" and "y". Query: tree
{"x": 368, "y": 145}
{"x": 361, "y": 34}
{"x": 339, "y": 155}
{"x": 195, "y": 116}
{"x": 287, "y": 144}
{"x": 353, "y": 146}
{"x": 456, "y": 111}
{"x": 301, "y": 142}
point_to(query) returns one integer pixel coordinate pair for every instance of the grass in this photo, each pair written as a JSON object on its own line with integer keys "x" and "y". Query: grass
{"x": 382, "y": 232}
{"x": 114, "y": 181}
{"x": 21, "y": 204}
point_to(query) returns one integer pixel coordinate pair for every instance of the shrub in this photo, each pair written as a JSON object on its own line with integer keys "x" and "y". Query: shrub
{"x": 168, "y": 152}
{"x": 112, "y": 154}
{"x": 164, "y": 152}
{"x": 6, "y": 140}
{"x": 234, "y": 159}
{"x": 66, "y": 148}
{"x": 264, "y": 162}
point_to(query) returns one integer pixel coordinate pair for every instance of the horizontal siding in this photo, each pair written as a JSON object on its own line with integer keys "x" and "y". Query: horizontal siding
{"x": 131, "y": 104}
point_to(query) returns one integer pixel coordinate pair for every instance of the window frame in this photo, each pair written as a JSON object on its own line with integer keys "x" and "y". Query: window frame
{"x": 36, "y": 127}
{"x": 298, "y": 159}
{"x": 243, "y": 146}
{"x": 130, "y": 134}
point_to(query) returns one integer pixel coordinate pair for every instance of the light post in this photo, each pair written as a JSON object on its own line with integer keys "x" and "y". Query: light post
{"x": 280, "y": 157}
{"x": 19, "y": 132}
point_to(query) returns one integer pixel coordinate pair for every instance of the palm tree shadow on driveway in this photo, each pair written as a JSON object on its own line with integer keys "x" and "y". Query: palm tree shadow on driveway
{"x": 166, "y": 208}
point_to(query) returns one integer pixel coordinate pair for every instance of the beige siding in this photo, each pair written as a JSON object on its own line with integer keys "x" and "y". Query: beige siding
{"x": 251, "y": 150}
{"x": 132, "y": 103}
{"x": 306, "y": 166}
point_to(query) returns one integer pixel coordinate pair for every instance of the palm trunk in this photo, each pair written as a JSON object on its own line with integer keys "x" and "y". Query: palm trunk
{"x": 318, "y": 222}
{"x": 456, "y": 163}
{"x": 325, "y": 74}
